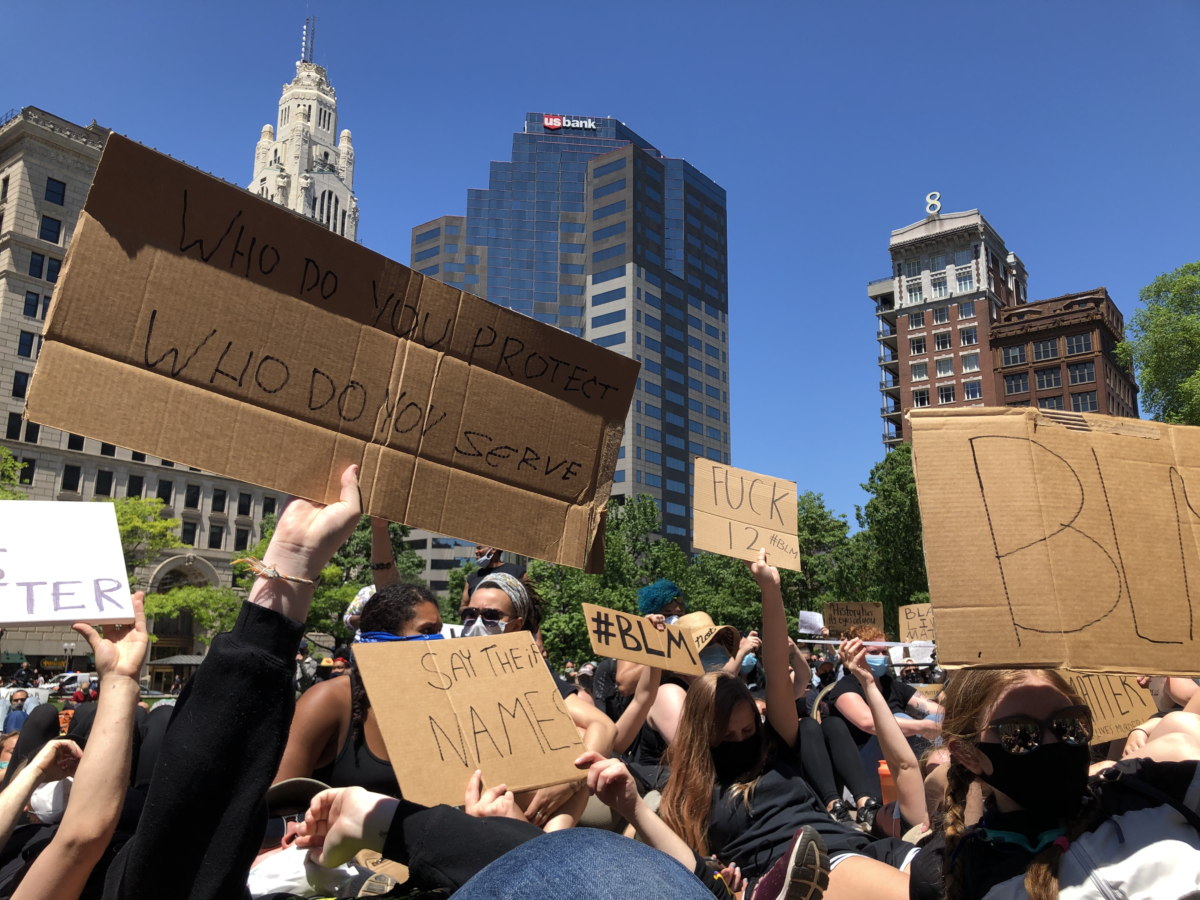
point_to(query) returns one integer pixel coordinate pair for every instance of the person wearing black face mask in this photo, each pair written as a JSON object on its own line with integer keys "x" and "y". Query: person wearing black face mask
{"x": 1048, "y": 826}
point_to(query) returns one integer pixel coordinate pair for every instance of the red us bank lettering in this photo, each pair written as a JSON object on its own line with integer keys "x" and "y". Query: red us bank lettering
{"x": 553, "y": 123}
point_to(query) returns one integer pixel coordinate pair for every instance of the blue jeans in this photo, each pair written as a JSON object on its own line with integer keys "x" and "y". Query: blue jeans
{"x": 584, "y": 862}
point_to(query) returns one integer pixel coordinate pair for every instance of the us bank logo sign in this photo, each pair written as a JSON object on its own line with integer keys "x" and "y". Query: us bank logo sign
{"x": 553, "y": 123}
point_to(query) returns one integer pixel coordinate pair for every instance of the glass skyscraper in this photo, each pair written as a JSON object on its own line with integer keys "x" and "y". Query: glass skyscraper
{"x": 591, "y": 228}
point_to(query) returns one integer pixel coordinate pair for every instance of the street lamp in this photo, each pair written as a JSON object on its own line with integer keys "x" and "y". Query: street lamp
{"x": 68, "y": 652}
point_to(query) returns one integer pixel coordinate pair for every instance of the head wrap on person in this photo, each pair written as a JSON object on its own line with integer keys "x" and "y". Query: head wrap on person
{"x": 516, "y": 593}
{"x": 653, "y": 597}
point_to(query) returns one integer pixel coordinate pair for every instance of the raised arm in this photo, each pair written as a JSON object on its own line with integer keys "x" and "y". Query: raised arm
{"x": 801, "y": 672}
{"x": 749, "y": 644}
{"x": 902, "y": 762}
{"x": 781, "y": 705}
{"x": 383, "y": 560}
{"x": 55, "y": 761}
{"x": 644, "y": 695}
{"x": 63, "y": 868}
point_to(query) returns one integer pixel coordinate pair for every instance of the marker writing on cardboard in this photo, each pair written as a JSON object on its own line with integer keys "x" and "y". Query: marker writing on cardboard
{"x": 723, "y": 478}
{"x": 602, "y": 629}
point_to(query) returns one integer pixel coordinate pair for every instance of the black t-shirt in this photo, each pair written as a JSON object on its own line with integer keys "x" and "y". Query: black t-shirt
{"x": 479, "y": 575}
{"x": 648, "y": 744}
{"x": 895, "y": 692}
{"x": 755, "y": 835}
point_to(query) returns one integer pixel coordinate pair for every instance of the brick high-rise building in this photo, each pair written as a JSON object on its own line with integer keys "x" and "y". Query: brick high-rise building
{"x": 955, "y": 313}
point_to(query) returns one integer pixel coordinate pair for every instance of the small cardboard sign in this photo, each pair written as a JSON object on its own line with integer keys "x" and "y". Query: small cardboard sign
{"x": 449, "y": 707}
{"x": 841, "y": 617}
{"x": 1117, "y": 702}
{"x": 810, "y": 622}
{"x": 735, "y": 513}
{"x": 1053, "y": 537}
{"x": 61, "y": 563}
{"x": 619, "y": 635}
{"x": 916, "y": 622}
{"x": 930, "y": 690}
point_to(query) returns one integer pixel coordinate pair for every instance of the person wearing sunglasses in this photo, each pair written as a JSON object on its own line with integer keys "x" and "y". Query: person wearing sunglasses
{"x": 1048, "y": 827}
{"x": 499, "y": 604}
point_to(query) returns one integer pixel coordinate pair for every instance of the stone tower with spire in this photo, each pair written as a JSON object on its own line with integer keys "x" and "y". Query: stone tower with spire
{"x": 310, "y": 167}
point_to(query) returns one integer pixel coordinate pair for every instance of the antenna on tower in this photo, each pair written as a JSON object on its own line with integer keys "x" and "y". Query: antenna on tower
{"x": 307, "y": 38}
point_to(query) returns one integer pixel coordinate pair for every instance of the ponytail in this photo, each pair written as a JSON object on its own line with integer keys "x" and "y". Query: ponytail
{"x": 954, "y": 825}
{"x": 1041, "y": 878}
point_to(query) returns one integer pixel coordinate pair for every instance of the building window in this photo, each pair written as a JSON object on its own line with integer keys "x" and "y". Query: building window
{"x": 74, "y": 441}
{"x": 966, "y": 310}
{"x": 972, "y": 390}
{"x": 31, "y": 304}
{"x": 941, "y": 341}
{"x": 937, "y": 287}
{"x": 51, "y": 229}
{"x": 188, "y": 533}
{"x": 916, "y": 320}
{"x": 56, "y": 191}
{"x": 20, "y": 384}
{"x": 1018, "y": 403}
{"x": 245, "y": 502}
{"x": 241, "y": 538}
{"x": 963, "y": 257}
{"x": 937, "y": 263}
{"x": 52, "y": 268}
{"x": 1012, "y": 356}
{"x": 1079, "y": 343}
{"x": 70, "y": 479}
{"x": 920, "y": 397}
{"x": 1085, "y": 402}
{"x": 912, "y": 268}
{"x": 268, "y": 506}
{"x": 966, "y": 281}
{"x": 1016, "y": 384}
{"x": 920, "y": 372}
{"x": 135, "y": 486}
{"x": 108, "y": 449}
{"x": 166, "y": 490}
{"x": 137, "y": 457}
{"x": 1049, "y": 378}
{"x": 37, "y": 265}
{"x": 916, "y": 346}
{"x": 968, "y": 337}
{"x": 941, "y": 315}
{"x": 970, "y": 362}
{"x": 946, "y": 393}
{"x": 28, "y": 470}
{"x": 1045, "y": 350}
{"x": 914, "y": 292}
{"x": 33, "y": 431}
{"x": 1082, "y": 373}
{"x": 191, "y": 497}
{"x": 104, "y": 483}
{"x": 13, "y": 432}
{"x": 25, "y": 345}
{"x": 1050, "y": 402}
{"x": 945, "y": 368}
{"x": 4, "y": 188}
{"x": 215, "y": 534}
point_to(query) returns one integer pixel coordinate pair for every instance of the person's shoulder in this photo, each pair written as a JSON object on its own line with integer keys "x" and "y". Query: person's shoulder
{"x": 847, "y": 684}
{"x": 902, "y": 689}
{"x": 326, "y": 697}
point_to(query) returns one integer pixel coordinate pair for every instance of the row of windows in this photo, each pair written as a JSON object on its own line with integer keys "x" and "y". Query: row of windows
{"x": 1084, "y": 401}
{"x": 40, "y": 264}
{"x": 1042, "y": 350}
{"x": 945, "y": 367}
{"x": 964, "y": 280}
{"x": 940, "y": 315}
{"x": 972, "y": 390}
{"x": 1046, "y": 379}
{"x": 967, "y": 337}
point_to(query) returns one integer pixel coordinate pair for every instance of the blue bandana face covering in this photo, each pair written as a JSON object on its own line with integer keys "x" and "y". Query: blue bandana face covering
{"x": 380, "y": 637}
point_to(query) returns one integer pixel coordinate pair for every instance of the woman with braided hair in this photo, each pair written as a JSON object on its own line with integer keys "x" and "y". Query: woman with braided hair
{"x": 1132, "y": 830}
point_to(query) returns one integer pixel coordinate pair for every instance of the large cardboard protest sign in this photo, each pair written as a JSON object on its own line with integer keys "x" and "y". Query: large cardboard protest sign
{"x": 1061, "y": 539}
{"x": 61, "y": 563}
{"x": 916, "y": 622}
{"x": 841, "y": 617}
{"x": 735, "y": 513}
{"x": 619, "y": 635}
{"x": 208, "y": 326}
{"x": 1117, "y": 702}
{"x": 449, "y": 707}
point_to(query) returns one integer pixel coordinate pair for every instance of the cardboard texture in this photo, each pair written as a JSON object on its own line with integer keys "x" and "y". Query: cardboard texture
{"x": 735, "y": 512}
{"x": 916, "y": 622}
{"x": 810, "y": 622}
{"x": 625, "y": 636}
{"x": 841, "y": 617}
{"x": 61, "y": 563}
{"x": 1053, "y": 539}
{"x": 453, "y": 706}
{"x": 1117, "y": 703}
{"x": 930, "y": 690}
{"x": 202, "y": 324}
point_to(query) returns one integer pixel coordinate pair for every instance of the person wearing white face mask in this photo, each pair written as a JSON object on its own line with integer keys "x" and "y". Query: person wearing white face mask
{"x": 490, "y": 561}
{"x": 499, "y": 604}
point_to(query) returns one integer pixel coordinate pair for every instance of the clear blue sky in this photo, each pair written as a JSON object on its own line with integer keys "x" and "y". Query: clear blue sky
{"x": 1073, "y": 126}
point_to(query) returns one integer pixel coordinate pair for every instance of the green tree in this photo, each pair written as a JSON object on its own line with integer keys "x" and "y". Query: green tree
{"x": 10, "y": 476}
{"x": 1164, "y": 346}
{"x": 456, "y": 581}
{"x": 214, "y": 610}
{"x": 144, "y": 532}
{"x": 892, "y": 561}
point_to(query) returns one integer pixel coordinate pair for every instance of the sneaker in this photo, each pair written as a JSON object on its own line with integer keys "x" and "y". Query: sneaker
{"x": 803, "y": 874}
{"x": 867, "y": 813}
{"x": 840, "y": 812}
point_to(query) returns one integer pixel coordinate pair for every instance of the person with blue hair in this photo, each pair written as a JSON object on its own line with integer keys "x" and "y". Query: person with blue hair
{"x": 663, "y": 598}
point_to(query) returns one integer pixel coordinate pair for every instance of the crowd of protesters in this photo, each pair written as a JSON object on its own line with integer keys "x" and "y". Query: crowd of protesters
{"x": 782, "y": 772}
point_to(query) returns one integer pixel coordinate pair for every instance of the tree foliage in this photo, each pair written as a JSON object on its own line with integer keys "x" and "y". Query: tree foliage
{"x": 213, "y": 610}
{"x": 10, "y": 476}
{"x": 1164, "y": 346}
{"x": 144, "y": 532}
